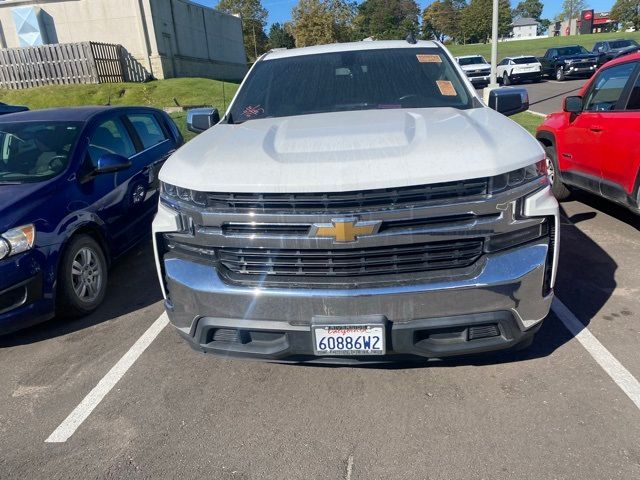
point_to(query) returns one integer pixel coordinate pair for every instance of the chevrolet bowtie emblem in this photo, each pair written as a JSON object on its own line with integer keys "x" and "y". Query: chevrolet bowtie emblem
{"x": 344, "y": 229}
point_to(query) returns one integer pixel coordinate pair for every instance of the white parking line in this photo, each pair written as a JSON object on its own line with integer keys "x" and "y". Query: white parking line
{"x": 104, "y": 386}
{"x": 537, "y": 113}
{"x": 600, "y": 354}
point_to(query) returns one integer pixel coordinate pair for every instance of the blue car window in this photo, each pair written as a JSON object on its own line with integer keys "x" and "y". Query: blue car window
{"x": 148, "y": 129}
{"x": 35, "y": 151}
{"x": 110, "y": 137}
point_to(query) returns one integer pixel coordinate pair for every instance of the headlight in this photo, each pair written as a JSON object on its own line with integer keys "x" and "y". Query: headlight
{"x": 17, "y": 240}
{"x": 519, "y": 177}
{"x": 186, "y": 195}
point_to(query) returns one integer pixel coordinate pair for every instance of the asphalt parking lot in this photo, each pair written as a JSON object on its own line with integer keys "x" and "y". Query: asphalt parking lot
{"x": 567, "y": 408}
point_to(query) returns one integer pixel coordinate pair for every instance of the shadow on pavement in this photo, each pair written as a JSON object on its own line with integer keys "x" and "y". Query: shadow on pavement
{"x": 607, "y": 207}
{"x": 133, "y": 284}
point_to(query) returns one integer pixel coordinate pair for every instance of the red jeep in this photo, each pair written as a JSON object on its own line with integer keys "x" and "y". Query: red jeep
{"x": 594, "y": 144}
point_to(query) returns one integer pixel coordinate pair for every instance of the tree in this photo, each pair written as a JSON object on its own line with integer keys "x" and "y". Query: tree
{"x": 387, "y": 19}
{"x": 529, "y": 9}
{"x": 627, "y": 12}
{"x": 476, "y": 19}
{"x": 280, "y": 38}
{"x": 317, "y": 22}
{"x": 442, "y": 19}
{"x": 254, "y": 19}
{"x": 571, "y": 9}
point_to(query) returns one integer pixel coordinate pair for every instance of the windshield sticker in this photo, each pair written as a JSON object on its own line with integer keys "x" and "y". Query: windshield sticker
{"x": 428, "y": 58}
{"x": 446, "y": 88}
{"x": 252, "y": 110}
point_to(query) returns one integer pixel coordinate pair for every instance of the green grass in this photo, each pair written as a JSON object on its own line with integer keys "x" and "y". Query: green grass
{"x": 159, "y": 94}
{"x": 528, "y": 120}
{"x": 538, "y": 46}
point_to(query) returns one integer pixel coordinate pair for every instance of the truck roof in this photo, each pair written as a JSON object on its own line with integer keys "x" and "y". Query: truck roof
{"x": 346, "y": 47}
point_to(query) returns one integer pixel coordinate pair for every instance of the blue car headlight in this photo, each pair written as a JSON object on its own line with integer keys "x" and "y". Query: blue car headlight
{"x": 17, "y": 240}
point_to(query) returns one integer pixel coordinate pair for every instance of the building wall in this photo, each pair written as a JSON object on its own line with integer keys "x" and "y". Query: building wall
{"x": 108, "y": 21}
{"x": 164, "y": 38}
{"x": 196, "y": 41}
{"x": 525, "y": 31}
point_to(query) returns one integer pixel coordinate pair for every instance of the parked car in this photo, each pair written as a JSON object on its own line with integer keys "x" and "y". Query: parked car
{"x": 609, "y": 49}
{"x": 5, "y": 109}
{"x": 78, "y": 187}
{"x": 594, "y": 144}
{"x": 358, "y": 201}
{"x": 569, "y": 61}
{"x": 476, "y": 68}
{"x": 518, "y": 69}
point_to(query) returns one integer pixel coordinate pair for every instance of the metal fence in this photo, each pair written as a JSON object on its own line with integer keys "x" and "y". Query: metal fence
{"x": 67, "y": 63}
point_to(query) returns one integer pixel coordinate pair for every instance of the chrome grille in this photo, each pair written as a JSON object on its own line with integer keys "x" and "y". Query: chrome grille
{"x": 355, "y": 201}
{"x": 351, "y": 262}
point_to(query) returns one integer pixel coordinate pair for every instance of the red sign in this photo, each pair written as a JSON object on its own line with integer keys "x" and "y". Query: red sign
{"x": 588, "y": 15}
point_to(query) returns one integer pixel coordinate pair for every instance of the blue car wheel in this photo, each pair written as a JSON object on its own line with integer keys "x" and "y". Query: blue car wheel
{"x": 82, "y": 280}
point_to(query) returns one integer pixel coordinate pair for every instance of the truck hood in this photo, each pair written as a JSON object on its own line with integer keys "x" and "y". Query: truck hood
{"x": 477, "y": 66}
{"x": 356, "y": 150}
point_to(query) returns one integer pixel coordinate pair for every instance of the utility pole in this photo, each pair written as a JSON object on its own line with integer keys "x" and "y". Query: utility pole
{"x": 494, "y": 46}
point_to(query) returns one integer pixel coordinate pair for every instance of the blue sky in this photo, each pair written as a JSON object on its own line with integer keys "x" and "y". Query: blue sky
{"x": 280, "y": 10}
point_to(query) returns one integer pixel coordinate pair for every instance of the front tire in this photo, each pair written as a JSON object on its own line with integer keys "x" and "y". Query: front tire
{"x": 560, "y": 74}
{"x": 82, "y": 277}
{"x": 559, "y": 189}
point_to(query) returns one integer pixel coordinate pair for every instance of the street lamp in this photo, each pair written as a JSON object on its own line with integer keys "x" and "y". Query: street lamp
{"x": 493, "y": 79}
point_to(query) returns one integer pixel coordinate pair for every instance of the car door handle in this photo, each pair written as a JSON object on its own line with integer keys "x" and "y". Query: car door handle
{"x": 595, "y": 128}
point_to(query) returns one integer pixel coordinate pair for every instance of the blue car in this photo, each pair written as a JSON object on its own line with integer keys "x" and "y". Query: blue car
{"x": 78, "y": 188}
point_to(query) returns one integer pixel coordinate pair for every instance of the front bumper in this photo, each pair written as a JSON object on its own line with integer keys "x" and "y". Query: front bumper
{"x": 275, "y": 324}
{"x": 579, "y": 71}
{"x": 482, "y": 80}
{"x": 25, "y": 296}
{"x": 525, "y": 76}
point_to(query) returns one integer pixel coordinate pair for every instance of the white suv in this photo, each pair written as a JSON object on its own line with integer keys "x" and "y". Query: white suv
{"x": 518, "y": 69}
{"x": 358, "y": 201}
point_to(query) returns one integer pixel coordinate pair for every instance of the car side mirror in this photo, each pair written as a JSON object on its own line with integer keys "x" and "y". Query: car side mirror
{"x": 572, "y": 104}
{"x": 111, "y": 162}
{"x": 508, "y": 100}
{"x": 201, "y": 119}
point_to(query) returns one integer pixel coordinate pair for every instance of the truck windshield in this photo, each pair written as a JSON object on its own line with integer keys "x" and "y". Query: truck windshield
{"x": 575, "y": 50}
{"x": 35, "y": 151}
{"x": 351, "y": 80}
{"x": 471, "y": 61}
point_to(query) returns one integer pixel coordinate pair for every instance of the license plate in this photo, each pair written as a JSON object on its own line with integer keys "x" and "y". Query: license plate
{"x": 349, "y": 340}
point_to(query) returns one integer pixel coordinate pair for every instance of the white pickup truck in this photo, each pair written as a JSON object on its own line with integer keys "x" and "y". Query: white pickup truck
{"x": 358, "y": 202}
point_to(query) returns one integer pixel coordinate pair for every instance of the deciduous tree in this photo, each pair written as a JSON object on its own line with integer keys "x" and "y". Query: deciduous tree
{"x": 627, "y": 12}
{"x": 387, "y": 19}
{"x": 317, "y": 22}
{"x": 476, "y": 19}
{"x": 280, "y": 38}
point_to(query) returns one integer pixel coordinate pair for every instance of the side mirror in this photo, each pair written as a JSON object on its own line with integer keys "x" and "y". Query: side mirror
{"x": 508, "y": 100}
{"x": 572, "y": 104}
{"x": 111, "y": 162}
{"x": 201, "y": 119}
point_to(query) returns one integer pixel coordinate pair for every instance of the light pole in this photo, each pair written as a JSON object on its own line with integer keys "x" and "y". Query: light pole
{"x": 494, "y": 46}
{"x": 493, "y": 78}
